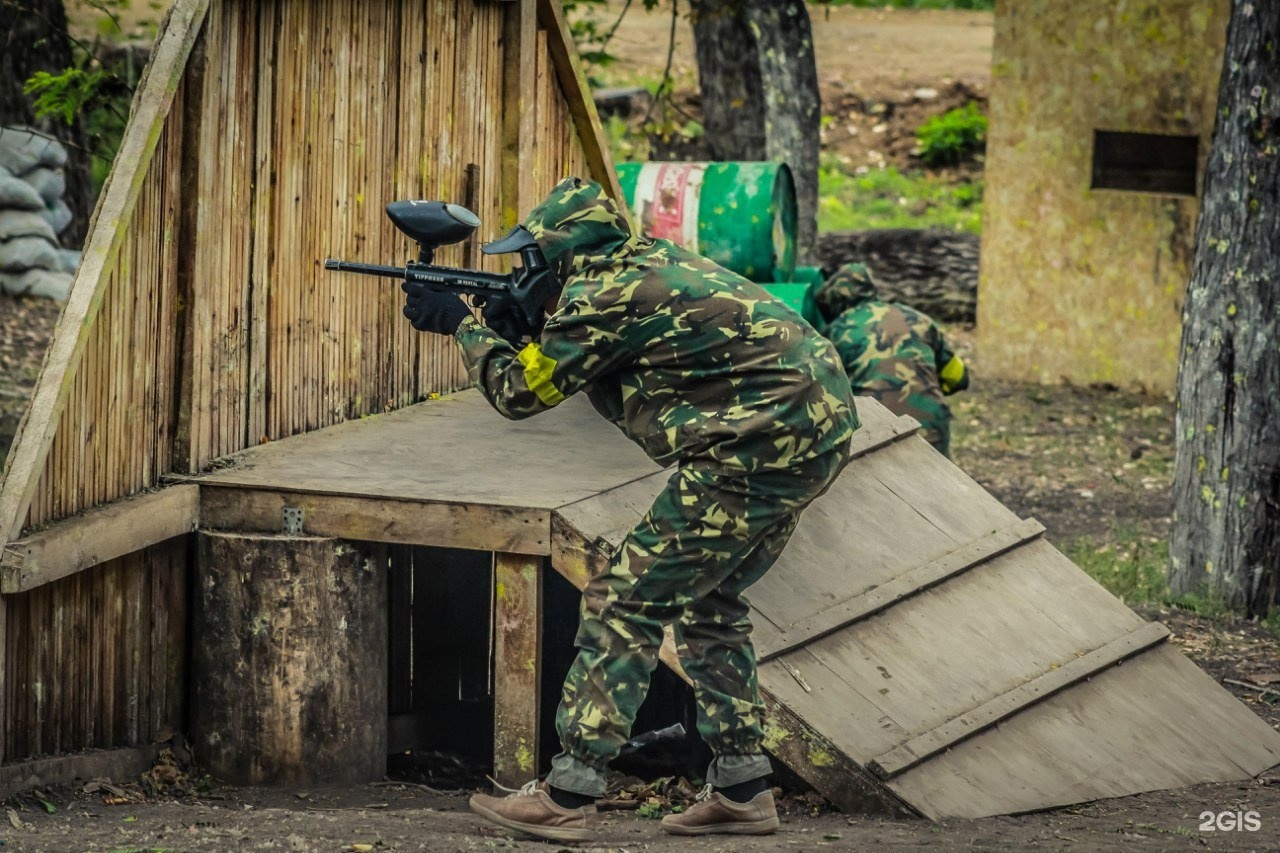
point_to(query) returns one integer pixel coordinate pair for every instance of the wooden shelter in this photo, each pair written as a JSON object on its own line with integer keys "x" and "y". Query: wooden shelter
{"x": 265, "y": 136}
{"x": 1101, "y": 118}
{"x": 221, "y": 423}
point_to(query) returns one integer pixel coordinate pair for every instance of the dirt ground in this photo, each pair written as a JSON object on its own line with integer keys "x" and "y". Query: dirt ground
{"x": 1087, "y": 462}
{"x": 882, "y": 72}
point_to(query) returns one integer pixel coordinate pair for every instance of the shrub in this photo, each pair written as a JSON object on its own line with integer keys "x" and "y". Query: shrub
{"x": 947, "y": 139}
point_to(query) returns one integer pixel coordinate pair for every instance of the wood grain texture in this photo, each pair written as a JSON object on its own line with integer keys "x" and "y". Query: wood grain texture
{"x": 121, "y": 763}
{"x": 577, "y": 94}
{"x": 925, "y": 746}
{"x": 110, "y": 221}
{"x": 891, "y": 592}
{"x": 456, "y": 449}
{"x": 98, "y": 659}
{"x": 290, "y": 674}
{"x": 440, "y": 523}
{"x": 101, "y": 534}
{"x": 517, "y": 660}
{"x": 1155, "y": 721}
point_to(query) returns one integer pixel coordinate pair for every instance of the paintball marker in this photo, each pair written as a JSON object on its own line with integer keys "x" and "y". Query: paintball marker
{"x": 512, "y": 304}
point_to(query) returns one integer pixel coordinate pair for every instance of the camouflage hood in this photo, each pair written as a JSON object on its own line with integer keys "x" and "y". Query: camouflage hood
{"x": 850, "y": 286}
{"x": 578, "y": 225}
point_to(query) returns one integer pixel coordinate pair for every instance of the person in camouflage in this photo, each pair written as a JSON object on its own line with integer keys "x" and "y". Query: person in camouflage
{"x": 703, "y": 370}
{"x": 891, "y": 352}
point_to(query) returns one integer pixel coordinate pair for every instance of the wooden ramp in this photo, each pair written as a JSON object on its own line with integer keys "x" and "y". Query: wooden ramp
{"x": 923, "y": 649}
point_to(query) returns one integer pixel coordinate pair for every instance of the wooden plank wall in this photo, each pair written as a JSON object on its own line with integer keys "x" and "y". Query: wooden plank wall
{"x": 113, "y": 437}
{"x": 98, "y": 659}
{"x": 220, "y": 327}
{"x": 295, "y": 122}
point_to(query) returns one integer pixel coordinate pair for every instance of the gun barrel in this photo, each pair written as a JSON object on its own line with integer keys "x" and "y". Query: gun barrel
{"x": 366, "y": 269}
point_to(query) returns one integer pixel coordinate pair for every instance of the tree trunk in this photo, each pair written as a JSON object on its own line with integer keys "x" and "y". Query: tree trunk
{"x": 33, "y": 37}
{"x": 759, "y": 83}
{"x": 1226, "y": 532}
{"x": 290, "y": 660}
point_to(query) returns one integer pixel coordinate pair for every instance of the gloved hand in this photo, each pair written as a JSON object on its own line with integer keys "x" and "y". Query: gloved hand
{"x": 433, "y": 310}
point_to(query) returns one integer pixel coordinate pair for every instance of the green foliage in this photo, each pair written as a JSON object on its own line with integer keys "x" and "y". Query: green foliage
{"x": 947, "y": 139}
{"x": 64, "y": 95}
{"x": 95, "y": 95}
{"x": 887, "y": 198}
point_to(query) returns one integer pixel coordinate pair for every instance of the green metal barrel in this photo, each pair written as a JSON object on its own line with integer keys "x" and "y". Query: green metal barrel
{"x": 799, "y": 294}
{"x": 740, "y": 215}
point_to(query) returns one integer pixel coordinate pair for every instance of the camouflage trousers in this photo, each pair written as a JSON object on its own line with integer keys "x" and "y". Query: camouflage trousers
{"x": 706, "y": 538}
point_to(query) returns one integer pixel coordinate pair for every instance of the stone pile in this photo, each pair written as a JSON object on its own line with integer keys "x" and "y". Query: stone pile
{"x": 932, "y": 270}
{"x": 32, "y": 214}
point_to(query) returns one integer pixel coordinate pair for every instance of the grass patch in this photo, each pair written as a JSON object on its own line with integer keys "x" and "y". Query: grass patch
{"x": 888, "y": 198}
{"x": 1130, "y": 566}
{"x": 1133, "y": 567}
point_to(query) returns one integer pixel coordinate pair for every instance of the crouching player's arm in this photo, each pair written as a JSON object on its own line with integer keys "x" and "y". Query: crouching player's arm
{"x": 953, "y": 375}
{"x": 577, "y": 345}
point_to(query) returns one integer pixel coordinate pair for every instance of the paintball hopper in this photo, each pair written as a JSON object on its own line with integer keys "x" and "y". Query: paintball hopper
{"x": 432, "y": 224}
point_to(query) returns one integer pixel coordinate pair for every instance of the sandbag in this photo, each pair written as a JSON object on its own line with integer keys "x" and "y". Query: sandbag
{"x": 50, "y": 183}
{"x": 58, "y": 215}
{"x": 28, "y": 253}
{"x": 25, "y": 223}
{"x": 50, "y": 285}
{"x": 17, "y": 193}
{"x": 22, "y": 150}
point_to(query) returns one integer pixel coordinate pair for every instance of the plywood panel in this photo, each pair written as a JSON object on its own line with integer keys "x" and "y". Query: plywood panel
{"x": 1156, "y": 721}
{"x": 455, "y": 449}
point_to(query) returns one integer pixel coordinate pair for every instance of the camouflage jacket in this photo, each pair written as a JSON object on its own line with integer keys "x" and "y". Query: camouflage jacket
{"x": 891, "y": 352}
{"x": 694, "y": 363}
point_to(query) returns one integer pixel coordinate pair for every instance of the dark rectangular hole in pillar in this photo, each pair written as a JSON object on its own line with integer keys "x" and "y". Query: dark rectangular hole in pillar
{"x": 440, "y": 704}
{"x": 1144, "y": 162}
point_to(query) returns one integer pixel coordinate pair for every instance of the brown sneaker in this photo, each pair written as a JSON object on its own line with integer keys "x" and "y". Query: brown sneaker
{"x": 532, "y": 810}
{"x": 715, "y": 812}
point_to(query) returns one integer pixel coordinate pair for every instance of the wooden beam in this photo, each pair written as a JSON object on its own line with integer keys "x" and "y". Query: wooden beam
{"x": 770, "y": 644}
{"x": 867, "y": 440}
{"x": 446, "y": 525}
{"x": 925, "y": 746}
{"x": 520, "y": 181}
{"x": 832, "y": 773}
{"x": 564, "y": 57}
{"x": 262, "y": 233}
{"x": 123, "y": 764}
{"x": 517, "y": 660}
{"x": 110, "y": 221}
{"x": 104, "y": 533}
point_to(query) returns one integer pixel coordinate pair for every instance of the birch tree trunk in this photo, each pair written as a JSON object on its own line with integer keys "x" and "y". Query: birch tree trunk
{"x": 1226, "y": 532}
{"x": 759, "y": 83}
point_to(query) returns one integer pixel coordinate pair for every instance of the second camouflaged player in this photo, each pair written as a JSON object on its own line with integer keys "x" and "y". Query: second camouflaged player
{"x": 892, "y": 353}
{"x": 703, "y": 370}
